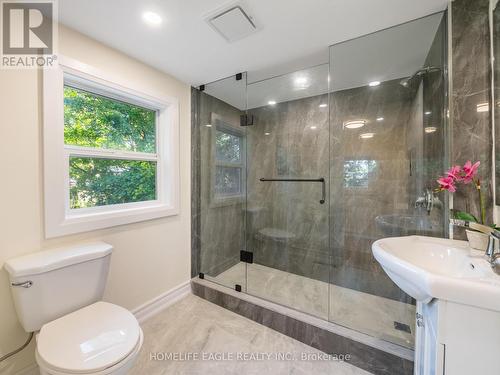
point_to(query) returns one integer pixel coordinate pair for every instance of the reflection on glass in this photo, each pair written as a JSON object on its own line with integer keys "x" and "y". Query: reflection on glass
{"x": 219, "y": 180}
{"x": 228, "y": 181}
{"x": 382, "y": 160}
{"x": 357, "y": 172}
{"x": 228, "y": 147}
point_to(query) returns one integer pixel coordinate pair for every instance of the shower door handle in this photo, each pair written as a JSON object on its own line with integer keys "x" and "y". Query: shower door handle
{"x": 321, "y": 179}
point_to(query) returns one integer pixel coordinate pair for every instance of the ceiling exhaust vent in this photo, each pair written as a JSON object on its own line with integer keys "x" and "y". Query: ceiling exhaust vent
{"x": 233, "y": 24}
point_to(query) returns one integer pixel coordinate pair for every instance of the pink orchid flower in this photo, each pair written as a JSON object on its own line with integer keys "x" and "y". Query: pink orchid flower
{"x": 470, "y": 171}
{"x": 447, "y": 183}
{"x": 455, "y": 172}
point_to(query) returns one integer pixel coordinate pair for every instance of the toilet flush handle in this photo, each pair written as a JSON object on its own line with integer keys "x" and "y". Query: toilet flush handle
{"x": 23, "y": 284}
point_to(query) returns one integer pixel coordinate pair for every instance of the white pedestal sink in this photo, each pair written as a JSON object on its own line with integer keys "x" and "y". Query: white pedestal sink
{"x": 458, "y": 302}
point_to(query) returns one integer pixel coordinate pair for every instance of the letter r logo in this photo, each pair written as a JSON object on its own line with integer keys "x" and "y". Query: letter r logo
{"x": 27, "y": 28}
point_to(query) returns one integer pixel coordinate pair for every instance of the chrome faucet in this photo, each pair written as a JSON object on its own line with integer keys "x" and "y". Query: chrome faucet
{"x": 428, "y": 201}
{"x": 493, "y": 239}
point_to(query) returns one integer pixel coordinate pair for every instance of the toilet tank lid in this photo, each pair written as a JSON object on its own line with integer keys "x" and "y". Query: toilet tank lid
{"x": 48, "y": 260}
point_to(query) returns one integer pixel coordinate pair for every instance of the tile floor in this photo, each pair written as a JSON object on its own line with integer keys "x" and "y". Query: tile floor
{"x": 196, "y": 327}
{"x": 360, "y": 311}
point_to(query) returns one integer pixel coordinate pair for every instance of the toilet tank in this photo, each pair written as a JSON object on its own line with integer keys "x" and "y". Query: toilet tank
{"x": 49, "y": 284}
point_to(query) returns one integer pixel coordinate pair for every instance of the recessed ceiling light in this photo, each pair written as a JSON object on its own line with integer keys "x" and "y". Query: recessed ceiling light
{"x": 366, "y": 135}
{"x": 323, "y": 105}
{"x": 355, "y": 124}
{"x": 152, "y": 18}
{"x": 208, "y": 125}
{"x": 427, "y": 113}
{"x": 300, "y": 81}
{"x": 483, "y": 107}
{"x": 380, "y": 119}
{"x": 374, "y": 83}
{"x": 271, "y": 102}
{"x": 314, "y": 127}
{"x": 430, "y": 129}
{"x": 267, "y": 133}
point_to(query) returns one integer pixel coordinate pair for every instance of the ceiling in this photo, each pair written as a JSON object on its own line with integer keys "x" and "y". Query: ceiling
{"x": 291, "y": 33}
{"x": 393, "y": 53}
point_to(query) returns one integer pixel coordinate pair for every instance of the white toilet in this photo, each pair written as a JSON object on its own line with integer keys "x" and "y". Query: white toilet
{"x": 58, "y": 293}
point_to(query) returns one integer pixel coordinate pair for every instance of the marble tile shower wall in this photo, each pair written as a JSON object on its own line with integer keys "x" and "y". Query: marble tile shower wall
{"x": 295, "y": 139}
{"x": 289, "y": 139}
{"x": 471, "y": 75}
{"x": 221, "y": 226}
{"x": 384, "y": 190}
{"x": 292, "y": 139}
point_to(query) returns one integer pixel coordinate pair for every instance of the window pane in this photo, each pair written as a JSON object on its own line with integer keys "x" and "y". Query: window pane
{"x": 228, "y": 147}
{"x": 100, "y": 182}
{"x": 227, "y": 181}
{"x": 92, "y": 120}
{"x": 357, "y": 172}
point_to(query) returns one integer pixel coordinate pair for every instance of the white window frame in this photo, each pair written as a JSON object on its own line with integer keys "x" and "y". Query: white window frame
{"x": 224, "y": 200}
{"x": 59, "y": 218}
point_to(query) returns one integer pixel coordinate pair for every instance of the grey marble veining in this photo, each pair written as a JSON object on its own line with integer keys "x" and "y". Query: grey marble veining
{"x": 284, "y": 225}
{"x": 354, "y": 209}
{"x": 196, "y": 326}
{"x": 364, "y": 312}
{"x": 495, "y": 15}
{"x": 472, "y": 138}
{"x": 289, "y": 140}
{"x": 363, "y": 356}
{"x": 218, "y": 228}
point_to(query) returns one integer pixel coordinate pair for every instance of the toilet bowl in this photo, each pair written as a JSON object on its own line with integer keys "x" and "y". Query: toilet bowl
{"x": 58, "y": 293}
{"x": 98, "y": 339}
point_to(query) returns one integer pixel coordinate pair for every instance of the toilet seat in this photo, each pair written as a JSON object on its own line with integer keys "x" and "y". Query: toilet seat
{"x": 97, "y": 339}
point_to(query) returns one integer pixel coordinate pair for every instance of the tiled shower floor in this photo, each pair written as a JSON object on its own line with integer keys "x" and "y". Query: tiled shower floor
{"x": 360, "y": 311}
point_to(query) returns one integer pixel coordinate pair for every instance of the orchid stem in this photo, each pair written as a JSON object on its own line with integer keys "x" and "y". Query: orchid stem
{"x": 481, "y": 203}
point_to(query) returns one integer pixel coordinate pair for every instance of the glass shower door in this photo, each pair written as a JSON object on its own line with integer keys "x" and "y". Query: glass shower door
{"x": 221, "y": 180}
{"x": 287, "y": 190}
{"x": 388, "y": 144}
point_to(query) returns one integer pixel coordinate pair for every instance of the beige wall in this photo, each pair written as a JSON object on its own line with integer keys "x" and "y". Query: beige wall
{"x": 149, "y": 257}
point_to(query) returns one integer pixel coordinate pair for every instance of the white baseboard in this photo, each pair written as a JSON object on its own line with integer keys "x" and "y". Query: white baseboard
{"x": 157, "y": 304}
{"x": 30, "y": 370}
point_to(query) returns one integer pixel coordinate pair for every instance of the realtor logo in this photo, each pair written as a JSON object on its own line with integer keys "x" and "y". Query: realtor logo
{"x": 28, "y": 33}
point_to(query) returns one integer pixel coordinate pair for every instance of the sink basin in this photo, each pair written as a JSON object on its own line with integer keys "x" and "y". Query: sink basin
{"x": 428, "y": 267}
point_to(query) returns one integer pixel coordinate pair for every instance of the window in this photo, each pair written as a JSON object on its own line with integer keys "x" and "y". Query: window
{"x": 229, "y": 162}
{"x": 110, "y": 152}
{"x": 357, "y": 172}
{"x": 94, "y": 125}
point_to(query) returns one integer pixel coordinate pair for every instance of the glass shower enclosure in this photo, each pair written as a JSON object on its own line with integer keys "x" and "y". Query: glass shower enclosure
{"x": 297, "y": 175}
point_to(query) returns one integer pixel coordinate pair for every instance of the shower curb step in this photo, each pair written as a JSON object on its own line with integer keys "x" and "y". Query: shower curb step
{"x": 374, "y": 355}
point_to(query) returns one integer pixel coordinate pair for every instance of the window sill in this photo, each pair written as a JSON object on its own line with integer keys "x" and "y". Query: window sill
{"x": 88, "y": 219}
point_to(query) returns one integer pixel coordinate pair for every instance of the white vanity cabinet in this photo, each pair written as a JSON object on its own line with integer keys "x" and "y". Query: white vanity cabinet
{"x": 456, "y": 339}
{"x": 458, "y": 294}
